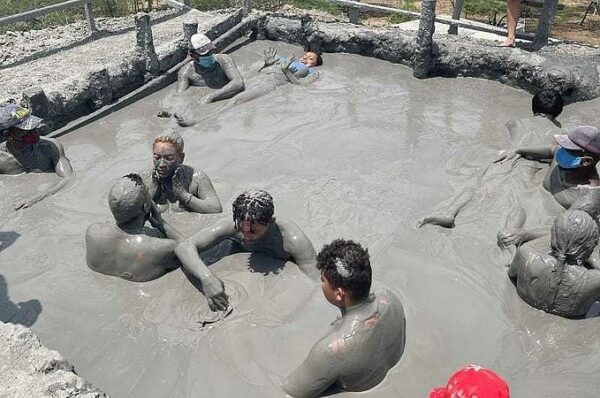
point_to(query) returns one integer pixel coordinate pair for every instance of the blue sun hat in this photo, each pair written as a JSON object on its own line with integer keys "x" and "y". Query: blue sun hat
{"x": 13, "y": 115}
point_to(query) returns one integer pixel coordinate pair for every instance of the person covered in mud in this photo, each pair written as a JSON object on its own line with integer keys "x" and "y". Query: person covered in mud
{"x": 25, "y": 151}
{"x": 561, "y": 281}
{"x": 208, "y": 69}
{"x": 536, "y": 130}
{"x": 252, "y": 229}
{"x": 173, "y": 184}
{"x": 368, "y": 339}
{"x": 572, "y": 178}
{"x": 130, "y": 249}
{"x": 276, "y": 71}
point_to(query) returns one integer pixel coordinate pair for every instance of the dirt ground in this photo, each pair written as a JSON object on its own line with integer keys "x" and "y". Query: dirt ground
{"x": 567, "y": 25}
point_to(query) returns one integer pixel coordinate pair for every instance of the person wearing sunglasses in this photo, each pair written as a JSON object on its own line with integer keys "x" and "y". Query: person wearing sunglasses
{"x": 25, "y": 151}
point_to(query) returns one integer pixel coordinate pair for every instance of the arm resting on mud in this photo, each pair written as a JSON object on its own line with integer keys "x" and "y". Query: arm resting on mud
{"x": 43, "y": 195}
{"x": 314, "y": 375}
{"x": 537, "y": 153}
{"x": 62, "y": 166}
{"x": 516, "y": 263}
{"x": 297, "y": 245}
{"x": 204, "y": 199}
{"x": 236, "y": 82}
{"x": 187, "y": 250}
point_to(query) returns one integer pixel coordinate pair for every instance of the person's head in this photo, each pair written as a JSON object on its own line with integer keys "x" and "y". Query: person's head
{"x": 579, "y": 148}
{"x": 253, "y": 213}
{"x": 573, "y": 237}
{"x": 345, "y": 272}
{"x": 473, "y": 382}
{"x": 167, "y": 154}
{"x": 19, "y": 124}
{"x": 129, "y": 198}
{"x": 202, "y": 49}
{"x": 311, "y": 59}
{"x": 547, "y": 102}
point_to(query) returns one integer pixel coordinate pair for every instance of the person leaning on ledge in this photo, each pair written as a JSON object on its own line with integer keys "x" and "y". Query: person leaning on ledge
{"x": 25, "y": 151}
{"x": 208, "y": 69}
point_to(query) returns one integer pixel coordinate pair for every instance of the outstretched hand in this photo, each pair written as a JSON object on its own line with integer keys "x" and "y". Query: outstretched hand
{"x": 214, "y": 290}
{"x": 270, "y": 57}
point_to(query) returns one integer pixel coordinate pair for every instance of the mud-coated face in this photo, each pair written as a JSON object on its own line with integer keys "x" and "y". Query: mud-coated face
{"x": 252, "y": 230}
{"x": 309, "y": 58}
{"x": 24, "y": 136}
{"x": 166, "y": 159}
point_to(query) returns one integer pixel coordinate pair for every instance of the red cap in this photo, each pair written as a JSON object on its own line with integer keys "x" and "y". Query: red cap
{"x": 473, "y": 381}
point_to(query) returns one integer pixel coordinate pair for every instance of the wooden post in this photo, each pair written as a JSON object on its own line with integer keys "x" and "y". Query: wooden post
{"x": 247, "y": 6}
{"x": 545, "y": 24}
{"x": 353, "y": 14}
{"x": 424, "y": 54}
{"x": 190, "y": 28}
{"x": 458, "y": 5}
{"x": 89, "y": 18}
{"x": 145, "y": 43}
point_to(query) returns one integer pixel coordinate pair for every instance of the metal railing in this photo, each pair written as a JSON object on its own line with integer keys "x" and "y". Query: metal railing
{"x": 32, "y": 14}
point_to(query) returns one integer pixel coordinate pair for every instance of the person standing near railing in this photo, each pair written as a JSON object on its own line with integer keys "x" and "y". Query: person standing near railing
{"x": 512, "y": 15}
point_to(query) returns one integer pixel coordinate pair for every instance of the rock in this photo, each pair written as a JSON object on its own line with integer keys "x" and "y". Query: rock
{"x": 27, "y": 368}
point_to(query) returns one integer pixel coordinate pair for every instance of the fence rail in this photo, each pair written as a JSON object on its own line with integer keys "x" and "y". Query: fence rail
{"x": 27, "y": 15}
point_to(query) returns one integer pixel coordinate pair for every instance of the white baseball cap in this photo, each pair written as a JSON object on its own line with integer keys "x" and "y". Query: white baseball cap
{"x": 202, "y": 44}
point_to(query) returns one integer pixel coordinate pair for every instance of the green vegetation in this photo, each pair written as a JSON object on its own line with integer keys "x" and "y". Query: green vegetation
{"x": 316, "y": 5}
{"x": 493, "y": 10}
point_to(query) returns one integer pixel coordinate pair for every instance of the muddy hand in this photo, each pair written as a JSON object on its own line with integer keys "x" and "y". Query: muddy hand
{"x": 214, "y": 290}
{"x": 270, "y": 57}
{"x": 510, "y": 238}
{"x": 285, "y": 66}
{"x": 178, "y": 182}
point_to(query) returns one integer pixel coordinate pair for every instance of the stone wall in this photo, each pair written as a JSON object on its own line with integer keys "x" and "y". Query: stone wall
{"x": 28, "y": 369}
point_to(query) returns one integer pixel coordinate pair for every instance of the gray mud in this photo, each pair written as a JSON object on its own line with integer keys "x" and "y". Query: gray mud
{"x": 362, "y": 154}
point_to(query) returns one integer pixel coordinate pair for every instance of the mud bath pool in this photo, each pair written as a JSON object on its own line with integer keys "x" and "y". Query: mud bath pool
{"x": 362, "y": 154}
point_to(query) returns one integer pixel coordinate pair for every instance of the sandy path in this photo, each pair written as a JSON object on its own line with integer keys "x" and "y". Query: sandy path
{"x": 363, "y": 154}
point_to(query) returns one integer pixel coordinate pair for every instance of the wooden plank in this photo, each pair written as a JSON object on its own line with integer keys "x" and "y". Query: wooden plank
{"x": 464, "y": 23}
{"x": 27, "y": 15}
{"x": 458, "y": 5}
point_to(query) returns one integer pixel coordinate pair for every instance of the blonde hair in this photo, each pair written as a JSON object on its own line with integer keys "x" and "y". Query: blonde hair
{"x": 172, "y": 138}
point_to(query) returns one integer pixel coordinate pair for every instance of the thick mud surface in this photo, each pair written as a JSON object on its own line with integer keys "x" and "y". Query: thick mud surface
{"x": 362, "y": 154}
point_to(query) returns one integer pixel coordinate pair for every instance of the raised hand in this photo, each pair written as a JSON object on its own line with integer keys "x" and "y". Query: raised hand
{"x": 287, "y": 65}
{"x": 270, "y": 57}
{"x": 179, "y": 181}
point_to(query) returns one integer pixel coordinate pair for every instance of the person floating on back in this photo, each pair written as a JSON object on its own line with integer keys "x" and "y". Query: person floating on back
{"x": 24, "y": 151}
{"x": 362, "y": 345}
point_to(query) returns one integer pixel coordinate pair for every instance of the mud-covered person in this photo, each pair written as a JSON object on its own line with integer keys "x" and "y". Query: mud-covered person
{"x": 25, "y": 151}
{"x": 572, "y": 179}
{"x": 253, "y": 228}
{"x": 557, "y": 276}
{"x": 175, "y": 185}
{"x": 130, "y": 249}
{"x": 208, "y": 69}
{"x": 368, "y": 339}
{"x": 534, "y": 131}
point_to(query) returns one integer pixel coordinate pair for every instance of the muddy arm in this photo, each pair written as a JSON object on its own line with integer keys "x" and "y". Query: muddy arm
{"x": 204, "y": 198}
{"x": 537, "y": 153}
{"x": 187, "y": 252}
{"x": 313, "y": 376}
{"x": 183, "y": 81}
{"x": 297, "y": 244}
{"x": 236, "y": 82}
{"x": 43, "y": 195}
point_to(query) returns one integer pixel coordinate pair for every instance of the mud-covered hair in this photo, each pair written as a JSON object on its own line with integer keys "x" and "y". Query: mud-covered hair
{"x": 547, "y": 102}
{"x": 574, "y": 233}
{"x": 346, "y": 264}
{"x": 128, "y": 198}
{"x": 172, "y": 138}
{"x": 253, "y": 206}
